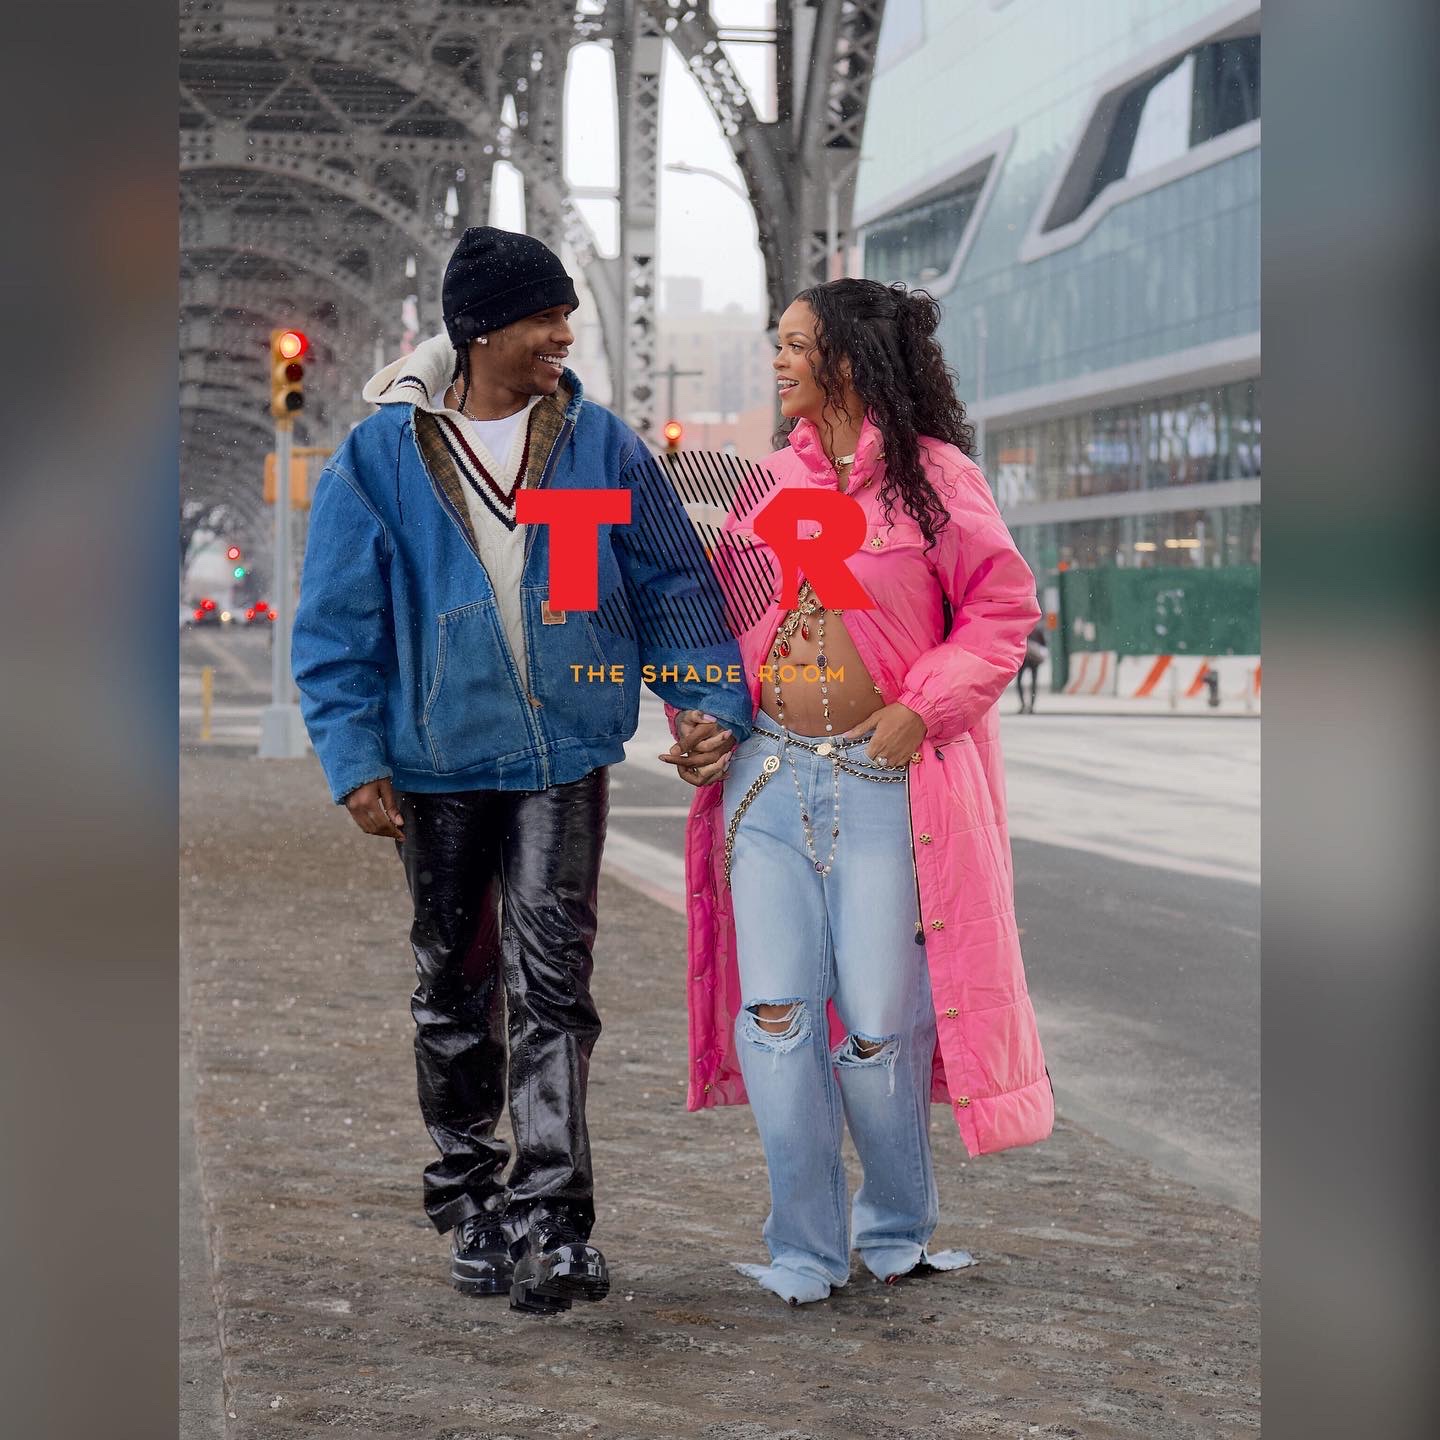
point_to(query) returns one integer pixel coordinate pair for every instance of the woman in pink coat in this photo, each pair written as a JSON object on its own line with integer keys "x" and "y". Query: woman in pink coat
{"x": 853, "y": 951}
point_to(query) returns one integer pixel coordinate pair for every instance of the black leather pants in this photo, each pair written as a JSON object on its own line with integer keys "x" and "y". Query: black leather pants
{"x": 504, "y": 889}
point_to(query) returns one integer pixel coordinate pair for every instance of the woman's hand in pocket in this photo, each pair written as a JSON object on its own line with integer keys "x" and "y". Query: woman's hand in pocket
{"x": 898, "y": 733}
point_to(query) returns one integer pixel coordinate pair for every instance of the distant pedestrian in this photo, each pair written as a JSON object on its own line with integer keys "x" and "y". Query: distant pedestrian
{"x": 1036, "y": 649}
{"x": 853, "y": 946}
{"x": 441, "y": 692}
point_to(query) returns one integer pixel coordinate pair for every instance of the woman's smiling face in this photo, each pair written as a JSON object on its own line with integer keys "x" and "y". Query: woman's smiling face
{"x": 794, "y": 364}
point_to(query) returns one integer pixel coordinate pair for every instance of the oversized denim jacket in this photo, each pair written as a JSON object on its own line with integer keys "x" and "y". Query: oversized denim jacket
{"x": 402, "y": 663}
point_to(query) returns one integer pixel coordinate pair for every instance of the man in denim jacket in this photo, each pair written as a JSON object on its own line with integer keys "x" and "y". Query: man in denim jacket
{"x": 456, "y": 712}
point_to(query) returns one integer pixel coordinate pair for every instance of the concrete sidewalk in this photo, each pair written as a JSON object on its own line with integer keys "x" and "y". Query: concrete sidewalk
{"x": 1107, "y": 1301}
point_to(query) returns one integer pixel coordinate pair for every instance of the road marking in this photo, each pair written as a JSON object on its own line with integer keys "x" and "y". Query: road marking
{"x": 1022, "y": 828}
{"x": 656, "y": 873}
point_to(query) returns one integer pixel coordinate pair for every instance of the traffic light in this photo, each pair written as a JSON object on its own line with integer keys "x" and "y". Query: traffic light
{"x": 674, "y": 433}
{"x": 234, "y": 556}
{"x": 287, "y": 374}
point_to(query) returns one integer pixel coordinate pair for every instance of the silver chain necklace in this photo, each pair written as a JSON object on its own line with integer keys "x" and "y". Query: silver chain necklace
{"x": 460, "y": 407}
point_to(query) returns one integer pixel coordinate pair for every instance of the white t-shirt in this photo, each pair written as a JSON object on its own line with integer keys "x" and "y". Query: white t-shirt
{"x": 500, "y": 436}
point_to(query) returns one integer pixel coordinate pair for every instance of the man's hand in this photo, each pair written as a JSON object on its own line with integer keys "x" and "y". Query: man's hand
{"x": 697, "y": 774}
{"x": 372, "y": 807}
{"x": 898, "y": 733}
{"x": 701, "y": 754}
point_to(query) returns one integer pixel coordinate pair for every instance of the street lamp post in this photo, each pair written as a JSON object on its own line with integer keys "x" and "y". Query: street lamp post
{"x": 282, "y": 731}
{"x": 683, "y": 167}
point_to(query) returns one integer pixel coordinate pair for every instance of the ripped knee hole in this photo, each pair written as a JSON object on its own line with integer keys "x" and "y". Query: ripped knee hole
{"x": 866, "y": 1049}
{"x": 775, "y": 1019}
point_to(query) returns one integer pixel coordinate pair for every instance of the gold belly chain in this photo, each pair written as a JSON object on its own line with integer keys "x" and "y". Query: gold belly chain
{"x": 834, "y": 751}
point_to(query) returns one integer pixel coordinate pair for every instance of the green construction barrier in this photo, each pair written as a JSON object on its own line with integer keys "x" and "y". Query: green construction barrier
{"x": 1164, "y": 611}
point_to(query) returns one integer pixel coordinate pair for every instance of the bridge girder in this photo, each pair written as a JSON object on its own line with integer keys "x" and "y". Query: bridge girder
{"x": 791, "y": 166}
{"x": 427, "y": 81}
{"x": 365, "y": 36}
{"x": 223, "y": 234}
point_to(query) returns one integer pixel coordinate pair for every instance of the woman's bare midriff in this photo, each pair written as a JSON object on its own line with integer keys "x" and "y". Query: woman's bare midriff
{"x": 853, "y": 695}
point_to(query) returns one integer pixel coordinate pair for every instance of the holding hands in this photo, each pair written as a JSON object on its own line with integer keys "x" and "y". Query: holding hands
{"x": 702, "y": 751}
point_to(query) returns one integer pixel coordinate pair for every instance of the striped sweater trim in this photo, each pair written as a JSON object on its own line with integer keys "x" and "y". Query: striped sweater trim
{"x": 472, "y": 465}
{"x": 547, "y": 420}
{"x": 499, "y": 505}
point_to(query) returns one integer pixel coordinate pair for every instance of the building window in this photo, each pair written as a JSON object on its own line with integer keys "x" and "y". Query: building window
{"x": 1194, "y": 438}
{"x": 922, "y": 237}
{"x": 1201, "y": 95}
{"x": 1225, "y": 87}
{"x": 1190, "y": 539}
{"x": 1169, "y": 116}
{"x": 919, "y": 245}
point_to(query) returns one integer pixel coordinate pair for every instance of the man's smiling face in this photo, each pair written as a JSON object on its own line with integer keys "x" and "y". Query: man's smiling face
{"x": 528, "y": 356}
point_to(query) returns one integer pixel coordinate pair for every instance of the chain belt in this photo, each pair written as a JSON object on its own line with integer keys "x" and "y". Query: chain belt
{"x": 833, "y": 750}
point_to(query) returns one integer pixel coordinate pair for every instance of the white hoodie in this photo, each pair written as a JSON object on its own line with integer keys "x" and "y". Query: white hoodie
{"x": 491, "y": 480}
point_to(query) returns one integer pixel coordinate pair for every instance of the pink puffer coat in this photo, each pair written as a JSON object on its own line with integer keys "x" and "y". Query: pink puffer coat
{"x": 988, "y": 1062}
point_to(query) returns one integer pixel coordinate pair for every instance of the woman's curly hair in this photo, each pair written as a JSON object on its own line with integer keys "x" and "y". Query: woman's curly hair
{"x": 887, "y": 333}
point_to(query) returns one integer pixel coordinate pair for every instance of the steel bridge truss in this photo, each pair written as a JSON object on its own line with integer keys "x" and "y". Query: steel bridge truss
{"x": 331, "y": 154}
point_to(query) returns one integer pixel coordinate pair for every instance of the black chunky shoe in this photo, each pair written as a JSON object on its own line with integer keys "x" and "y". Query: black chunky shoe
{"x": 480, "y": 1257}
{"x": 555, "y": 1266}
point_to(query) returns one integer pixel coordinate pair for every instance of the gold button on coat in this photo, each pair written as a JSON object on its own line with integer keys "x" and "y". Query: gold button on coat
{"x": 962, "y": 1101}
{"x": 925, "y": 837}
{"x": 937, "y": 924}
{"x": 952, "y": 1012}
{"x": 915, "y": 758}
{"x": 876, "y": 541}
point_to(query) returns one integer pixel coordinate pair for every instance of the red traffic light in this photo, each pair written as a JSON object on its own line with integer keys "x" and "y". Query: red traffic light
{"x": 207, "y": 604}
{"x": 287, "y": 374}
{"x": 233, "y": 553}
{"x": 674, "y": 433}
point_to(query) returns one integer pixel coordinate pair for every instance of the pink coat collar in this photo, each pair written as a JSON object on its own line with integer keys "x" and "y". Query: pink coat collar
{"x": 869, "y": 451}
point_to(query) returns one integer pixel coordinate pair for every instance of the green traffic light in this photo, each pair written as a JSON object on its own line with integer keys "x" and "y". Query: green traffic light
{"x": 239, "y": 572}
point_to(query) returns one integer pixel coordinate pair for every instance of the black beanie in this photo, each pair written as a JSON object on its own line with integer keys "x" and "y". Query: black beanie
{"x": 496, "y": 277}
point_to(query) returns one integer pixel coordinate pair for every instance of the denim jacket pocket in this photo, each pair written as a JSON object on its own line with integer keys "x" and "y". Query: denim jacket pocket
{"x": 471, "y": 710}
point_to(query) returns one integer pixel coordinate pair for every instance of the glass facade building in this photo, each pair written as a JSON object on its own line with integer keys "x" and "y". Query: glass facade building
{"x": 1078, "y": 183}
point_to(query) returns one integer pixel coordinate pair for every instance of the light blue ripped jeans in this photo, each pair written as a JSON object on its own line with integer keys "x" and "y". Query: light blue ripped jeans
{"x": 804, "y": 938}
